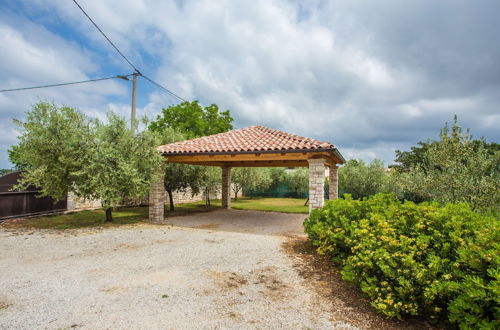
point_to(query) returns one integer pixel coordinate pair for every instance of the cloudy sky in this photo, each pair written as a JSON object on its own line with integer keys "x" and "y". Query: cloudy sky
{"x": 369, "y": 76}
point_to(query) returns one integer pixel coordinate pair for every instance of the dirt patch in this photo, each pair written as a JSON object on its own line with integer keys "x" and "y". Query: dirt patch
{"x": 4, "y": 304}
{"x": 214, "y": 241}
{"x": 208, "y": 226}
{"x": 274, "y": 288}
{"x": 347, "y": 302}
{"x": 265, "y": 281}
{"x": 228, "y": 280}
{"x": 126, "y": 246}
{"x": 113, "y": 289}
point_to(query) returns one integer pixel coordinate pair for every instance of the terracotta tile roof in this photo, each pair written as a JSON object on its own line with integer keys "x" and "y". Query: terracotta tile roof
{"x": 253, "y": 138}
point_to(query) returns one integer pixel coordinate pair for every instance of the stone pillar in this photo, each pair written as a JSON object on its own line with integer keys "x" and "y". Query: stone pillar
{"x": 334, "y": 183}
{"x": 226, "y": 187}
{"x": 316, "y": 183}
{"x": 157, "y": 200}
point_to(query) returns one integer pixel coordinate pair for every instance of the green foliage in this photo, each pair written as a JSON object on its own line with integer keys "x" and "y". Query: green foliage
{"x": 51, "y": 148}
{"x": 438, "y": 262}
{"x": 193, "y": 120}
{"x": 210, "y": 182}
{"x": 189, "y": 120}
{"x": 406, "y": 160}
{"x": 249, "y": 178}
{"x": 298, "y": 180}
{"x": 119, "y": 164}
{"x": 361, "y": 180}
{"x": 284, "y": 183}
{"x": 61, "y": 150}
{"x": 454, "y": 169}
{"x": 180, "y": 177}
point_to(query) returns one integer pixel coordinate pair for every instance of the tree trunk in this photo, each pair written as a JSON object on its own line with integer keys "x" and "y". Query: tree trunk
{"x": 171, "y": 200}
{"x": 207, "y": 201}
{"x": 109, "y": 216}
{"x": 235, "y": 195}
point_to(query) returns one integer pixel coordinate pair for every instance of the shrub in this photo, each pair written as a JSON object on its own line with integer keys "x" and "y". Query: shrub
{"x": 438, "y": 262}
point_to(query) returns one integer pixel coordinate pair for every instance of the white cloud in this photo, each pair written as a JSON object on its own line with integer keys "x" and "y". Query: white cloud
{"x": 369, "y": 78}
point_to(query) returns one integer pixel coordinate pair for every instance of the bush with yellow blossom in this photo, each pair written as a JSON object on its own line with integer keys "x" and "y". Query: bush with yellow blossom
{"x": 437, "y": 262}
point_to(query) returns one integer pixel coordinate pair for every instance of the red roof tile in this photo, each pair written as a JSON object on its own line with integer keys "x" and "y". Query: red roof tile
{"x": 253, "y": 138}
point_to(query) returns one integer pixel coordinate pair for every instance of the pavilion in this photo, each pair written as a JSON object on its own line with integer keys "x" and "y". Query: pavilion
{"x": 254, "y": 146}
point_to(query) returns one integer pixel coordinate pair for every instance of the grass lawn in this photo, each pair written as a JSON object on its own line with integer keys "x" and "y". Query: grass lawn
{"x": 87, "y": 218}
{"x": 129, "y": 215}
{"x": 286, "y": 205}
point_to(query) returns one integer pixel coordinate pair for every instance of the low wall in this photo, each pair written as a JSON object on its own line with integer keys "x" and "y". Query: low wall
{"x": 180, "y": 197}
{"x": 75, "y": 203}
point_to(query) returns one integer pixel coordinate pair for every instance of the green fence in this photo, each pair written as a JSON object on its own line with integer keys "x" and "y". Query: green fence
{"x": 280, "y": 190}
{"x": 275, "y": 190}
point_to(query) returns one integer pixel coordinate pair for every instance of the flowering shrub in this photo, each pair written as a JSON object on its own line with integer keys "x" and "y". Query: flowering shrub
{"x": 438, "y": 262}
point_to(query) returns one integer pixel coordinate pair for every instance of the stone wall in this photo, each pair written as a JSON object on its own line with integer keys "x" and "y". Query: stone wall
{"x": 75, "y": 203}
{"x": 187, "y": 196}
{"x": 180, "y": 197}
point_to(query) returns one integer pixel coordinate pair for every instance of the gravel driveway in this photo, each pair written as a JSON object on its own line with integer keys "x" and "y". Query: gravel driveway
{"x": 223, "y": 269}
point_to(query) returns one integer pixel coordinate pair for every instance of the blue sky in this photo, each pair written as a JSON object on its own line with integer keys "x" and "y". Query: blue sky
{"x": 371, "y": 77}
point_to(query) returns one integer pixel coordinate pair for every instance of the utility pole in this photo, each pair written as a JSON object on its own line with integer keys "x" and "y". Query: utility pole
{"x": 133, "y": 111}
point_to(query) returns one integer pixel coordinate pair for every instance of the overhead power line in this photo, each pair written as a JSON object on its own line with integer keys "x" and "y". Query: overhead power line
{"x": 125, "y": 58}
{"x": 167, "y": 90}
{"x": 105, "y": 36}
{"x": 64, "y": 84}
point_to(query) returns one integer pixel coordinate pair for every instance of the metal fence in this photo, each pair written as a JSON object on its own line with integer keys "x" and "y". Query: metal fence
{"x": 24, "y": 203}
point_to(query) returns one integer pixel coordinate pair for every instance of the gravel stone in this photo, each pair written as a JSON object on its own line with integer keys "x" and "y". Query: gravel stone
{"x": 217, "y": 270}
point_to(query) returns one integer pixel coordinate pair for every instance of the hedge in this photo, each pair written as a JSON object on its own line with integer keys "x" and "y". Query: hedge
{"x": 437, "y": 262}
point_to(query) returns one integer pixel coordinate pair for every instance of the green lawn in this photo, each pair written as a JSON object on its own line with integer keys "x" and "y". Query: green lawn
{"x": 129, "y": 215}
{"x": 88, "y": 218}
{"x": 286, "y": 205}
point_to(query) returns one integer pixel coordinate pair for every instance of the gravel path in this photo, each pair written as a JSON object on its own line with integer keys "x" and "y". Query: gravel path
{"x": 159, "y": 277}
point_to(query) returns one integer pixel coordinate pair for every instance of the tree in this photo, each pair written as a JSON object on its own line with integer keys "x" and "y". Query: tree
{"x": 180, "y": 177}
{"x": 190, "y": 120}
{"x": 361, "y": 180}
{"x": 416, "y": 156}
{"x": 250, "y": 178}
{"x": 52, "y": 145}
{"x": 456, "y": 168}
{"x": 277, "y": 174}
{"x": 298, "y": 180}
{"x": 120, "y": 165}
{"x": 407, "y": 159}
{"x": 193, "y": 120}
{"x": 61, "y": 151}
{"x": 211, "y": 182}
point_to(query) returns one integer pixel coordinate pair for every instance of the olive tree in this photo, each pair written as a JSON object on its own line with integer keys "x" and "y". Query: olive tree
{"x": 189, "y": 120}
{"x": 249, "y": 178}
{"x": 61, "y": 150}
{"x": 454, "y": 169}
{"x": 361, "y": 180}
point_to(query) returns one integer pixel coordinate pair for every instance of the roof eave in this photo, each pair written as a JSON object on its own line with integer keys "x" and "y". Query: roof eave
{"x": 333, "y": 150}
{"x": 339, "y": 155}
